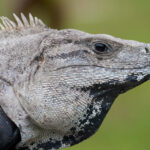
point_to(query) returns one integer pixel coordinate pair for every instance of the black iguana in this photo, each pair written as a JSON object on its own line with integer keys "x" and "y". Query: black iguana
{"x": 58, "y": 85}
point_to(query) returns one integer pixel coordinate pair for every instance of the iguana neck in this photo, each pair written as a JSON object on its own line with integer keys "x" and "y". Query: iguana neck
{"x": 85, "y": 127}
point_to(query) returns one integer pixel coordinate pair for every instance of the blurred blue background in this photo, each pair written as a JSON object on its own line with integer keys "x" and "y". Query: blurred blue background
{"x": 127, "y": 125}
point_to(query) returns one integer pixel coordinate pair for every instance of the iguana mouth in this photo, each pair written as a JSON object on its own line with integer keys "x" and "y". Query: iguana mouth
{"x": 121, "y": 68}
{"x": 107, "y": 87}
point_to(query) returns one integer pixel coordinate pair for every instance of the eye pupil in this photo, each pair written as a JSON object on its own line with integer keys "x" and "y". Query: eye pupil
{"x": 99, "y": 47}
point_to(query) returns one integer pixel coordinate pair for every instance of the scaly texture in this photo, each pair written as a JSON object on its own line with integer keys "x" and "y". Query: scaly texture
{"x": 57, "y": 86}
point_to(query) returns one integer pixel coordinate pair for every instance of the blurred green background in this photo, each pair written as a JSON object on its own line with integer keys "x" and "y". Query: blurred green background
{"x": 127, "y": 125}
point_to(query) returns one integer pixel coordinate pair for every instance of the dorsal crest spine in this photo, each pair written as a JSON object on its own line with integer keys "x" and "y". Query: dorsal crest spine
{"x": 23, "y": 23}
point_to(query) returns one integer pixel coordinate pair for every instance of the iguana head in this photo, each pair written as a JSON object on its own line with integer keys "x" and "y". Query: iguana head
{"x": 72, "y": 82}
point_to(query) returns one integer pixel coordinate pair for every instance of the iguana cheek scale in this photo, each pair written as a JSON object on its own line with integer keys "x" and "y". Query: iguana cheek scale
{"x": 58, "y": 85}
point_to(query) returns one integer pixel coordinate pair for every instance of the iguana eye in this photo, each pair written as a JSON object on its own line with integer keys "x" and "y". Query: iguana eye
{"x": 101, "y": 48}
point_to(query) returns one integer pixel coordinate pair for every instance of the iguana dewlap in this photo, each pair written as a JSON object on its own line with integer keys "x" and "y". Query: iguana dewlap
{"x": 58, "y": 85}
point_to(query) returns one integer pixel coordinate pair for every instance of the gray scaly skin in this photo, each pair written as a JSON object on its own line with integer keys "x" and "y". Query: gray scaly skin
{"x": 58, "y": 85}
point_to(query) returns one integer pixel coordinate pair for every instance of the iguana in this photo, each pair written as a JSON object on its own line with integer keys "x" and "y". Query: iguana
{"x": 58, "y": 85}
